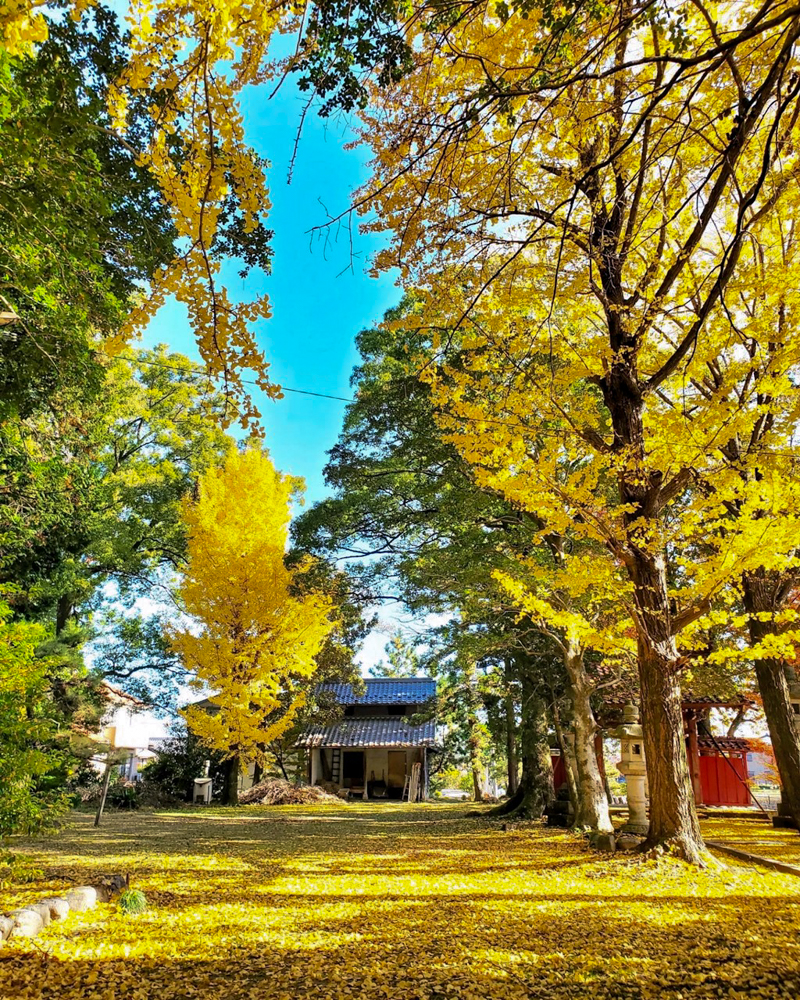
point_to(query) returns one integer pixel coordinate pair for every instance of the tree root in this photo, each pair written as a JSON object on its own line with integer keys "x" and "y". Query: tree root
{"x": 696, "y": 855}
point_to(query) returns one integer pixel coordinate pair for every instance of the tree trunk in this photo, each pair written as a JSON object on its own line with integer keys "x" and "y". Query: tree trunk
{"x": 591, "y": 807}
{"x": 673, "y": 817}
{"x": 104, "y": 794}
{"x": 567, "y": 755}
{"x": 230, "y": 790}
{"x": 739, "y": 718}
{"x": 537, "y": 768}
{"x": 475, "y": 741}
{"x": 477, "y": 789}
{"x": 63, "y": 612}
{"x": 511, "y": 743}
{"x": 760, "y": 591}
{"x": 535, "y": 791}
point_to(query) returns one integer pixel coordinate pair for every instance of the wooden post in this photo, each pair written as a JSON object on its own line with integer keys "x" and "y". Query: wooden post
{"x": 106, "y": 779}
{"x": 694, "y": 757}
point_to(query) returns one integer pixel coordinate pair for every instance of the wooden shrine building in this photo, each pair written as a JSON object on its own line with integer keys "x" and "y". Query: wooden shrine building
{"x": 377, "y": 749}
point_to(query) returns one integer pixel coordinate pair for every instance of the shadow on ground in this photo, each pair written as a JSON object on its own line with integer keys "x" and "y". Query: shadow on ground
{"x": 400, "y": 903}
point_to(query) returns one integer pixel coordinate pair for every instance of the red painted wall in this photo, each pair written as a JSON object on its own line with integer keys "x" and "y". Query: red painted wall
{"x": 559, "y": 770}
{"x": 720, "y": 785}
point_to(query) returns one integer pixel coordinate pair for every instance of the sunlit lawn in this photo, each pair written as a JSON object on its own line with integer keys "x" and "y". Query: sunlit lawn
{"x": 380, "y": 900}
{"x": 755, "y": 836}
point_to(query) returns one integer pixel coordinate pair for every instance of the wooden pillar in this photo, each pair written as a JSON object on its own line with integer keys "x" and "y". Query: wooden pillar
{"x": 694, "y": 757}
{"x": 104, "y": 794}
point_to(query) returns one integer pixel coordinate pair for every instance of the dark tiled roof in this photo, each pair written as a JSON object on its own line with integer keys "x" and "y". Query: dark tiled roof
{"x": 370, "y": 733}
{"x": 736, "y": 743}
{"x": 688, "y": 699}
{"x": 205, "y": 705}
{"x": 386, "y": 691}
{"x": 734, "y": 701}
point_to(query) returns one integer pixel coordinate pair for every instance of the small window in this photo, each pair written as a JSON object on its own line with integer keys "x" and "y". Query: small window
{"x": 395, "y": 709}
{"x": 637, "y": 749}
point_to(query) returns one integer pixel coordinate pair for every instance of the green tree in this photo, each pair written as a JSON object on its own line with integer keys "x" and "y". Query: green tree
{"x": 406, "y": 507}
{"x": 81, "y": 223}
{"x": 401, "y": 659}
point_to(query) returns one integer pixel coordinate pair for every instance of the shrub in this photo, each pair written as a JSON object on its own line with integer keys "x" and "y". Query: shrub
{"x": 132, "y": 901}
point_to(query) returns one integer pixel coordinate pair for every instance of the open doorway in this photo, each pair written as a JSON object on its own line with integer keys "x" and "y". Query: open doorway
{"x": 353, "y": 769}
{"x": 397, "y": 773}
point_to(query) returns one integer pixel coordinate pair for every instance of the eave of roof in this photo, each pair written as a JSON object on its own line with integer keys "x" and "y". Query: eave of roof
{"x": 363, "y": 733}
{"x": 737, "y": 743}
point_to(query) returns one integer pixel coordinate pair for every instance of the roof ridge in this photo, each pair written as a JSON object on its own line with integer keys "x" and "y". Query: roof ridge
{"x": 394, "y": 680}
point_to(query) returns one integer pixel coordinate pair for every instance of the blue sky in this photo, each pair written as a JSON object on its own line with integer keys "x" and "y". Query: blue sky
{"x": 319, "y": 302}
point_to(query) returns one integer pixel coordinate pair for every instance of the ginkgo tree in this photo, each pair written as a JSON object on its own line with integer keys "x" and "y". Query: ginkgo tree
{"x": 581, "y": 213}
{"x": 191, "y": 61}
{"x": 251, "y": 634}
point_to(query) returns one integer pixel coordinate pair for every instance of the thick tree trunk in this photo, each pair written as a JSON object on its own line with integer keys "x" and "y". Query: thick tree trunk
{"x": 230, "y": 789}
{"x": 537, "y": 768}
{"x": 760, "y": 590}
{"x": 477, "y": 787}
{"x": 511, "y": 744}
{"x": 673, "y": 817}
{"x": 739, "y": 718}
{"x": 591, "y": 807}
{"x": 63, "y": 612}
{"x": 535, "y": 791}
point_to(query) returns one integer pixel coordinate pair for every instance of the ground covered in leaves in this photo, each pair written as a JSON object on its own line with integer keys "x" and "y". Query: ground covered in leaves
{"x": 755, "y": 836}
{"x": 389, "y": 901}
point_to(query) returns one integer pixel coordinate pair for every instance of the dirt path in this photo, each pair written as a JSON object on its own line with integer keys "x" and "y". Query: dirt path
{"x": 386, "y": 901}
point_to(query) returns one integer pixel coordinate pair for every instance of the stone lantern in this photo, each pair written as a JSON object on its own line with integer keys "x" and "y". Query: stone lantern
{"x": 203, "y": 786}
{"x": 632, "y": 765}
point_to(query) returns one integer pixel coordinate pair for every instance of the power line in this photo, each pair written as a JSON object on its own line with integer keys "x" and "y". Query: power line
{"x": 201, "y": 372}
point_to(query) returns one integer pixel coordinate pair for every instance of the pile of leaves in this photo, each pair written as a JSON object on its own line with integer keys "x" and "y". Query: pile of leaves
{"x": 277, "y": 792}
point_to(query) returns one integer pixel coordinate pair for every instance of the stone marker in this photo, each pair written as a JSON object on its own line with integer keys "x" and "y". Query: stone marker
{"x": 57, "y": 905}
{"x": 628, "y": 842}
{"x": 27, "y": 923}
{"x": 82, "y": 898}
{"x": 42, "y": 910}
{"x": 604, "y": 842}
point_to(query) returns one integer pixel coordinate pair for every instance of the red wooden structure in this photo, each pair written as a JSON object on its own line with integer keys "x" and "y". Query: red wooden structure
{"x": 723, "y": 771}
{"x": 559, "y": 769}
{"x": 718, "y": 765}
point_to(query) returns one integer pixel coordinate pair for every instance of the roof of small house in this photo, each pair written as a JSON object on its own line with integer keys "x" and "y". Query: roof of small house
{"x": 385, "y": 691}
{"x": 735, "y": 743}
{"x": 205, "y": 705}
{"x": 392, "y": 732}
